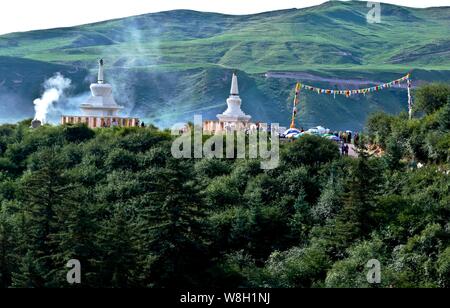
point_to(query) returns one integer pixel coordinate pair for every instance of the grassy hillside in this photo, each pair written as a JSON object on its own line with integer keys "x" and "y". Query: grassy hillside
{"x": 167, "y": 66}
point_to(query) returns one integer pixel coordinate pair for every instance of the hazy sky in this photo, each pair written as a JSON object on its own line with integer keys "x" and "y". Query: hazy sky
{"x": 24, "y": 15}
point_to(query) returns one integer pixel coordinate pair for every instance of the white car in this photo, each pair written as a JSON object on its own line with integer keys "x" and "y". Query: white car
{"x": 313, "y": 131}
{"x": 318, "y": 130}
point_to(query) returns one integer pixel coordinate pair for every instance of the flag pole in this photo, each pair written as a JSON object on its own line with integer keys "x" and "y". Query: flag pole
{"x": 410, "y": 103}
{"x": 294, "y": 109}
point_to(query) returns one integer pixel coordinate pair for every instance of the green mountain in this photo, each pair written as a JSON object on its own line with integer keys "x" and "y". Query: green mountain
{"x": 167, "y": 66}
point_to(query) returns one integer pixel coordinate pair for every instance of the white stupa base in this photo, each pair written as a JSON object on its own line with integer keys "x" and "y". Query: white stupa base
{"x": 228, "y": 118}
{"x": 100, "y": 111}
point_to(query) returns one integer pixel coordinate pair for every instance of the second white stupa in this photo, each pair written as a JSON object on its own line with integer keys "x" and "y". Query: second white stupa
{"x": 234, "y": 112}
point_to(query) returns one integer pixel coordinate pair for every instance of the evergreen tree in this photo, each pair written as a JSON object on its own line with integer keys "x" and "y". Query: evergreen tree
{"x": 444, "y": 116}
{"x": 117, "y": 265}
{"x": 173, "y": 228}
{"x": 7, "y": 247}
{"x": 78, "y": 238}
{"x": 394, "y": 153}
{"x": 330, "y": 201}
{"x": 43, "y": 190}
{"x": 301, "y": 220}
{"x": 353, "y": 221}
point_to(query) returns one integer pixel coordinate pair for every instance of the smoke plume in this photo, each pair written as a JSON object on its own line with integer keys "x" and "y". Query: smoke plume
{"x": 54, "y": 90}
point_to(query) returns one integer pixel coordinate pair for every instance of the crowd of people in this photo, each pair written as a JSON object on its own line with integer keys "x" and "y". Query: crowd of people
{"x": 347, "y": 137}
{"x": 344, "y": 148}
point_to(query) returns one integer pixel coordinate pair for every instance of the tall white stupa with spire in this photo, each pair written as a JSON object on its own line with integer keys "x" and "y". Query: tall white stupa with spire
{"x": 101, "y": 103}
{"x": 234, "y": 113}
{"x": 100, "y": 110}
{"x": 233, "y": 119}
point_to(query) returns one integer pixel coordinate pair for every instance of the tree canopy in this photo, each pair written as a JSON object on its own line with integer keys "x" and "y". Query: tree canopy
{"x": 116, "y": 200}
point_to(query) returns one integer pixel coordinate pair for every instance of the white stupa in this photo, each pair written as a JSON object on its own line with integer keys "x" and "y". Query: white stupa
{"x": 100, "y": 110}
{"x": 101, "y": 103}
{"x": 234, "y": 114}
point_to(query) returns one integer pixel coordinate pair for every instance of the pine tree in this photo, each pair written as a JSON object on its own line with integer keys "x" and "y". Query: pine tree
{"x": 329, "y": 201}
{"x": 444, "y": 116}
{"x": 77, "y": 238}
{"x": 7, "y": 248}
{"x": 394, "y": 153}
{"x": 301, "y": 220}
{"x": 117, "y": 247}
{"x": 353, "y": 221}
{"x": 173, "y": 228}
{"x": 43, "y": 190}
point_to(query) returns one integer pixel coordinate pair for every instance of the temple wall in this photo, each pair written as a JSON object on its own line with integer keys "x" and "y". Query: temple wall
{"x": 216, "y": 127}
{"x": 96, "y": 122}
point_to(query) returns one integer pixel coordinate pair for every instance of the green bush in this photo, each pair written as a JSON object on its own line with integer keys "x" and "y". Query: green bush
{"x": 77, "y": 133}
{"x": 429, "y": 98}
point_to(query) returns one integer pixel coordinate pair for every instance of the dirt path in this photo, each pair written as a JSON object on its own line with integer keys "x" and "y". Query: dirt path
{"x": 351, "y": 150}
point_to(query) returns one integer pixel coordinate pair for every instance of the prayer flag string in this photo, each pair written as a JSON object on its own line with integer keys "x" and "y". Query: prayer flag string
{"x": 358, "y": 91}
{"x": 349, "y": 93}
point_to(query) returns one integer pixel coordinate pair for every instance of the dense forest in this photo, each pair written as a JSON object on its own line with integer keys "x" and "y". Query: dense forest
{"x": 134, "y": 216}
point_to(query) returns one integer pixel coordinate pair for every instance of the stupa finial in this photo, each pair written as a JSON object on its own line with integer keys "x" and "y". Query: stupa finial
{"x": 234, "y": 85}
{"x": 101, "y": 72}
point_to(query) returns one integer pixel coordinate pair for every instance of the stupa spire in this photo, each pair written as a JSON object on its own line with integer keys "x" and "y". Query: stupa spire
{"x": 101, "y": 78}
{"x": 234, "y": 85}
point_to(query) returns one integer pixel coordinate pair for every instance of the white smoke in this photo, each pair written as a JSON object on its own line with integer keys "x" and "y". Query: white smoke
{"x": 54, "y": 90}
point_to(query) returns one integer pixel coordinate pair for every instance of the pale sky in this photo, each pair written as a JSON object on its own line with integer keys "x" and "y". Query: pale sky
{"x": 24, "y": 15}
